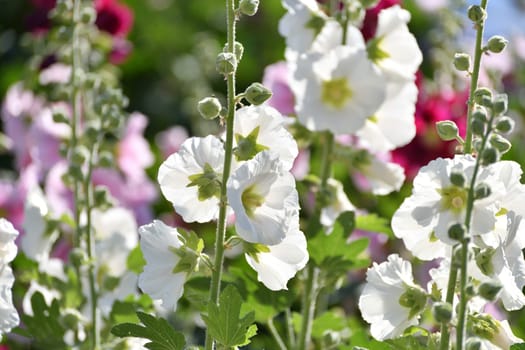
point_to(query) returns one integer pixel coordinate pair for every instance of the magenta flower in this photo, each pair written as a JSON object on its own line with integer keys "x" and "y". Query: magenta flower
{"x": 276, "y": 79}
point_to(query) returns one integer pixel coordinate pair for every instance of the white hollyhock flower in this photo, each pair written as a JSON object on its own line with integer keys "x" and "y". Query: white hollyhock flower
{"x": 392, "y": 125}
{"x": 394, "y": 49}
{"x": 264, "y": 199}
{"x": 423, "y": 219}
{"x": 391, "y": 301}
{"x": 115, "y": 236}
{"x": 277, "y": 264}
{"x": 339, "y": 204}
{"x": 36, "y": 243}
{"x": 257, "y": 128}
{"x": 190, "y": 179}
{"x": 8, "y": 314}
{"x": 337, "y": 90}
{"x": 383, "y": 176}
{"x": 157, "y": 241}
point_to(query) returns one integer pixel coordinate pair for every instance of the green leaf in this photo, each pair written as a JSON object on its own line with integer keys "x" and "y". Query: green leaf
{"x": 518, "y": 346}
{"x": 161, "y": 335}
{"x": 374, "y": 223}
{"x": 328, "y": 321}
{"x": 136, "y": 262}
{"x": 224, "y": 322}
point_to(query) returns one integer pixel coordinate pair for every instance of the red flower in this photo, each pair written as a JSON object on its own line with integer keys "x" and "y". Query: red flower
{"x": 370, "y": 22}
{"x": 113, "y": 17}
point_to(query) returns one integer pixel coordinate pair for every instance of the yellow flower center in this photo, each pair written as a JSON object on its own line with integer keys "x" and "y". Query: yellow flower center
{"x": 336, "y": 92}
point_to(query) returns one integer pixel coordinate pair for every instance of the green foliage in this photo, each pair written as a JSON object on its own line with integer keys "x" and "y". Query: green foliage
{"x": 224, "y": 322}
{"x": 161, "y": 335}
{"x": 518, "y": 346}
{"x": 374, "y": 223}
{"x": 44, "y": 326}
{"x": 136, "y": 262}
{"x": 328, "y": 321}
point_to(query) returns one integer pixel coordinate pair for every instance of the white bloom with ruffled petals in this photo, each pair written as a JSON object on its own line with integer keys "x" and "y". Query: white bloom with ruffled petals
{"x": 380, "y": 303}
{"x": 339, "y": 204}
{"x": 396, "y": 50}
{"x": 8, "y": 250}
{"x": 337, "y": 90}
{"x": 257, "y": 128}
{"x": 190, "y": 179}
{"x": 158, "y": 280}
{"x": 264, "y": 199}
{"x": 281, "y": 262}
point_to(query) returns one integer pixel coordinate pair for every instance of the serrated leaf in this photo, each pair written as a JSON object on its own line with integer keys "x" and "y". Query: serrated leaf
{"x": 224, "y": 322}
{"x": 161, "y": 335}
{"x": 374, "y": 223}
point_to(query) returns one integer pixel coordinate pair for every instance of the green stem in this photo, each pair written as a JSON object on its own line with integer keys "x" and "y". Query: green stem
{"x": 289, "y": 328}
{"x": 474, "y": 80}
{"x": 228, "y": 148}
{"x": 312, "y": 280}
{"x": 451, "y": 288}
{"x": 276, "y": 335}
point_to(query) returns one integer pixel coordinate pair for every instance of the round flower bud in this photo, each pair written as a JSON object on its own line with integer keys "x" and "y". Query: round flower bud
{"x": 458, "y": 178}
{"x": 249, "y": 7}
{"x": 457, "y": 231}
{"x": 478, "y": 127}
{"x": 238, "y": 50}
{"x": 489, "y": 290}
{"x": 78, "y": 257}
{"x": 462, "y": 61}
{"x": 79, "y": 155}
{"x": 447, "y": 130}
{"x": 226, "y": 63}
{"x": 59, "y": 117}
{"x": 106, "y": 159}
{"x": 500, "y": 143}
{"x": 257, "y": 93}
{"x": 75, "y": 171}
{"x": 480, "y": 114}
{"x": 482, "y": 190}
{"x": 489, "y": 156}
{"x": 505, "y": 124}
{"x": 101, "y": 196}
{"x": 500, "y": 104}
{"x": 480, "y": 92}
{"x": 209, "y": 107}
{"x": 88, "y": 15}
{"x": 476, "y": 13}
{"x": 442, "y": 312}
{"x": 496, "y": 44}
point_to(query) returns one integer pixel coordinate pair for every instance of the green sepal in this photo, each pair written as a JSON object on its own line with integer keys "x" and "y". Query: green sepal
{"x": 247, "y": 146}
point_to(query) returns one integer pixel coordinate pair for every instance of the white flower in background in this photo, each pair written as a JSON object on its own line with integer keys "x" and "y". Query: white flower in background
{"x": 8, "y": 314}
{"x": 339, "y": 204}
{"x": 394, "y": 49}
{"x": 390, "y": 300}
{"x": 157, "y": 242}
{"x": 505, "y": 264}
{"x": 127, "y": 285}
{"x": 264, "y": 199}
{"x": 504, "y": 337}
{"x": 337, "y": 90}
{"x": 257, "y": 128}
{"x": 190, "y": 179}
{"x": 36, "y": 242}
{"x": 115, "y": 236}
{"x": 423, "y": 219}
{"x": 277, "y": 264}
{"x": 392, "y": 125}
{"x": 383, "y": 177}
{"x": 301, "y": 24}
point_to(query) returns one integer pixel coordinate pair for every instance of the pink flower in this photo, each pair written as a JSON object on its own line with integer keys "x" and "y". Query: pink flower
{"x": 133, "y": 152}
{"x": 169, "y": 141}
{"x": 113, "y": 17}
{"x": 276, "y": 79}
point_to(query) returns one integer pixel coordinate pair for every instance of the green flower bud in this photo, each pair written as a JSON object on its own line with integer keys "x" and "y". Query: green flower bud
{"x": 484, "y": 261}
{"x": 78, "y": 257}
{"x": 414, "y": 298}
{"x": 106, "y": 159}
{"x": 249, "y": 7}
{"x": 59, "y": 117}
{"x": 209, "y": 107}
{"x": 257, "y": 93}
{"x": 226, "y": 63}
{"x": 447, "y": 130}
{"x": 442, "y": 312}
{"x": 473, "y": 344}
{"x": 496, "y": 44}
{"x": 238, "y": 50}
{"x": 88, "y": 15}
{"x": 462, "y": 62}
{"x": 101, "y": 196}
{"x": 470, "y": 291}
{"x": 457, "y": 178}
{"x": 331, "y": 339}
{"x": 478, "y": 127}
{"x": 480, "y": 92}
{"x": 500, "y": 143}
{"x": 70, "y": 319}
{"x": 482, "y": 190}
{"x": 79, "y": 155}
{"x": 489, "y": 290}
{"x": 483, "y": 326}
{"x": 489, "y": 156}
{"x": 480, "y": 114}
{"x": 75, "y": 171}
{"x": 505, "y": 124}
{"x": 500, "y": 104}
{"x": 457, "y": 231}
{"x": 476, "y": 13}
